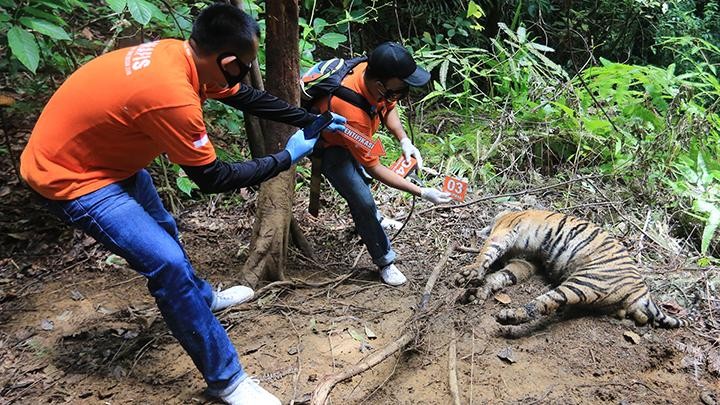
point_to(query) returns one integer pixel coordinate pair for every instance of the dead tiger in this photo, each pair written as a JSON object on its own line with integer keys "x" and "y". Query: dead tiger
{"x": 592, "y": 268}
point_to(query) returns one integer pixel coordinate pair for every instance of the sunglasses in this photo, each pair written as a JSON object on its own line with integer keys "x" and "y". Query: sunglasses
{"x": 395, "y": 94}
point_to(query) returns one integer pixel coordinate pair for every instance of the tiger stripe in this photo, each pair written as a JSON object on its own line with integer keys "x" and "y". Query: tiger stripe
{"x": 592, "y": 267}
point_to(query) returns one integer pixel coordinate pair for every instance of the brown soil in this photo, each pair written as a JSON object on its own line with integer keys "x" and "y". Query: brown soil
{"x": 76, "y": 328}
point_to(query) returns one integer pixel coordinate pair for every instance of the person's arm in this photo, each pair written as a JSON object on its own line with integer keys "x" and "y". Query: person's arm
{"x": 220, "y": 176}
{"x": 265, "y": 105}
{"x": 392, "y": 179}
{"x": 394, "y": 125}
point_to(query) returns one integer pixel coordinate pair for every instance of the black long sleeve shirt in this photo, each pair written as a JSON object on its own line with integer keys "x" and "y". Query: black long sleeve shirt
{"x": 220, "y": 176}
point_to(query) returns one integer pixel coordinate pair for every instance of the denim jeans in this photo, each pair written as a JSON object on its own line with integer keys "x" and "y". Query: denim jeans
{"x": 129, "y": 219}
{"x": 344, "y": 173}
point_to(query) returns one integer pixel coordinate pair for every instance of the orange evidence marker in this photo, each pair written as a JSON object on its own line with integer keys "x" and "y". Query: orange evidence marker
{"x": 455, "y": 187}
{"x": 403, "y": 168}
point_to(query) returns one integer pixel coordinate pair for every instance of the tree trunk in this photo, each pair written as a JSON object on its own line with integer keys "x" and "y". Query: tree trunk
{"x": 271, "y": 232}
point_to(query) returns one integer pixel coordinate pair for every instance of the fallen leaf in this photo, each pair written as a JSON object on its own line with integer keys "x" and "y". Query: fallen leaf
{"x": 47, "y": 324}
{"x": 632, "y": 337}
{"x": 369, "y": 333}
{"x": 313, "y": 325}
{"x": 503, "y": 298}
{"x": 115, "y": 260}
{"x": 356, "y": 335}
{"x": 673, "y": 308}
{"x": 20, "y": 235}
{"x": 104, "y": 311}
{"x": 507, "y": 355}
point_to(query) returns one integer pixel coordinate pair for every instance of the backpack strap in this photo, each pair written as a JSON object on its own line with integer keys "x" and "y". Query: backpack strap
{"x": 352, "y": 97}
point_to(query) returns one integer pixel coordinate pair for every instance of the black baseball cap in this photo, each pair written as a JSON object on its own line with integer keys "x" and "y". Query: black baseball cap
{"x": 391, "y": 59}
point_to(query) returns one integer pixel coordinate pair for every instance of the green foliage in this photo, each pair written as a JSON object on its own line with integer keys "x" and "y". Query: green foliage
{"x": 28, "y": 25}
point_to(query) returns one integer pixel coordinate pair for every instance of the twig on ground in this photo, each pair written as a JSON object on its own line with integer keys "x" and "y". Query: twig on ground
{"x": 357, "y": 258}
{"x": 472, "y": 365}
{"x": 452, "y": 369}
{"x": 517, "y": 193}
{"x": 465, "y": 249}
{"x": 322, "y": 390}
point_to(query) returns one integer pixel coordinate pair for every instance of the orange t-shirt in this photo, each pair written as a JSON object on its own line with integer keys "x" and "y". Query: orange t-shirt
{"x": 356, "y": 117}
{"x": 116, "y": 114}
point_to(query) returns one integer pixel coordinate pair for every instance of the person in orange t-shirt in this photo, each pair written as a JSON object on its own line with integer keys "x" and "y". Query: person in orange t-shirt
{"x": 86, "y": 157}
{"x": 383, "y": 80}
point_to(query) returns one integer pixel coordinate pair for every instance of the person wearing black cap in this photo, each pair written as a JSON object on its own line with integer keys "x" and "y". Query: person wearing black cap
{"x": 383, "y": 80}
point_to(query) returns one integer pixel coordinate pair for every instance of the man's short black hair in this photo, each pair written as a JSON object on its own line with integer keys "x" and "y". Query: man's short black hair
{"x": 224, "y": 28}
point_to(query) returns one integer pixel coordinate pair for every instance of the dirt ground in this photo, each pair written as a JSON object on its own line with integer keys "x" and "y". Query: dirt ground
{"x": 78, "y": 326}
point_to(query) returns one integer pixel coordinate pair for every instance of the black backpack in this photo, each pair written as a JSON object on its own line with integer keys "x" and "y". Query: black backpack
{"x": 328, "y": 82}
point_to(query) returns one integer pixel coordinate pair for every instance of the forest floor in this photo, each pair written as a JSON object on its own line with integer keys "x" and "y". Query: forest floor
{"x": 78, "y": 326}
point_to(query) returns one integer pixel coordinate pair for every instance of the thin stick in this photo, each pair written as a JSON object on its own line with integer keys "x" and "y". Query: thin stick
{"x": 472, "y": 365}
{"x": 452, "y": 369}
{"x": 492, "y": 197}
{"x": 322, "y": 390}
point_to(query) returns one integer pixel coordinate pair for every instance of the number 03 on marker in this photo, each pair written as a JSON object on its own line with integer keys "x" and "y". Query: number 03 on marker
{"x": 455, "y": 187}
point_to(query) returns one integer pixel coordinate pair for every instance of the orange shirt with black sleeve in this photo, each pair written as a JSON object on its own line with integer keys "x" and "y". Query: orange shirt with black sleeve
{"x": 356, "y": 117}
{"x": 116, "y": 114}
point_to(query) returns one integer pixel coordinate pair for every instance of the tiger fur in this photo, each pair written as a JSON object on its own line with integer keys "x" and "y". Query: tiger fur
{"x": 593, "y": 268}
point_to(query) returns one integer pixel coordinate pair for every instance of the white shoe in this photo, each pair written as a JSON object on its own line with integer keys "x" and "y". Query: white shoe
{"x": 392, "y": 276}
{"x": 231, "y": 296}
{"x": 249, "y": 392}
{"x": 390, "y": 224}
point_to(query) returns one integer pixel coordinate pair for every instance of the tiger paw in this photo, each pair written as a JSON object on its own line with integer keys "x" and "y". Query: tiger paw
{"x": 467, "y": 277}
{"x": 471, "y": 296}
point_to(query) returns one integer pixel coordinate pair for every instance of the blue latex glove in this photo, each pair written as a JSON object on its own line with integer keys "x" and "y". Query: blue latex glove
{"x": 299, "y": 147}
{"x": 338, "y": 122}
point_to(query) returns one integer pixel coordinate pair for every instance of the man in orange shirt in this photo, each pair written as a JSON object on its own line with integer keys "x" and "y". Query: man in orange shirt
{"x": 383, "y": 80}
{"x": 87, "y": 153}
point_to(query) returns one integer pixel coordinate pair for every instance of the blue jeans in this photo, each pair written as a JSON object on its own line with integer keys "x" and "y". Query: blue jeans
{"x": 129, "y": 219}
{"x": 344, "y": 173}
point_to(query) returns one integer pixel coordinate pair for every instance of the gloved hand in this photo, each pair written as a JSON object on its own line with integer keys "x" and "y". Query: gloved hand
{"x": 408, "y": 149}
{"x": 435, "y": 196}
{"x": 299, "y": 147}
{"x": 338, "y": 122}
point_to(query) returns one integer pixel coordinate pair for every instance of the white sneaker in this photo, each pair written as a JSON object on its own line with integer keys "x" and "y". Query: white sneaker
{"x": 392, "y": 276}
{"x": 231, "y": 296}
{"x": 390, "y": 224}
{"x": 249, "y": 392}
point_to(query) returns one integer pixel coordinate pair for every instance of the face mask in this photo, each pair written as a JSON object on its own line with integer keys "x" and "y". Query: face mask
{"x": 394, "y": 95}
{"x": 230, "y": 79}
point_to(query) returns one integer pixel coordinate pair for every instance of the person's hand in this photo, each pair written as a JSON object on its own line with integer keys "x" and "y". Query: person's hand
{"x": 435, "y": 196}
{"x": 338, "y": 123}
{"x": 299, "y": 147}
{"x": 408, "y": 149}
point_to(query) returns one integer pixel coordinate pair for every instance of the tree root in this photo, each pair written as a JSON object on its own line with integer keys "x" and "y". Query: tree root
{"x": 322, "y": 390}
